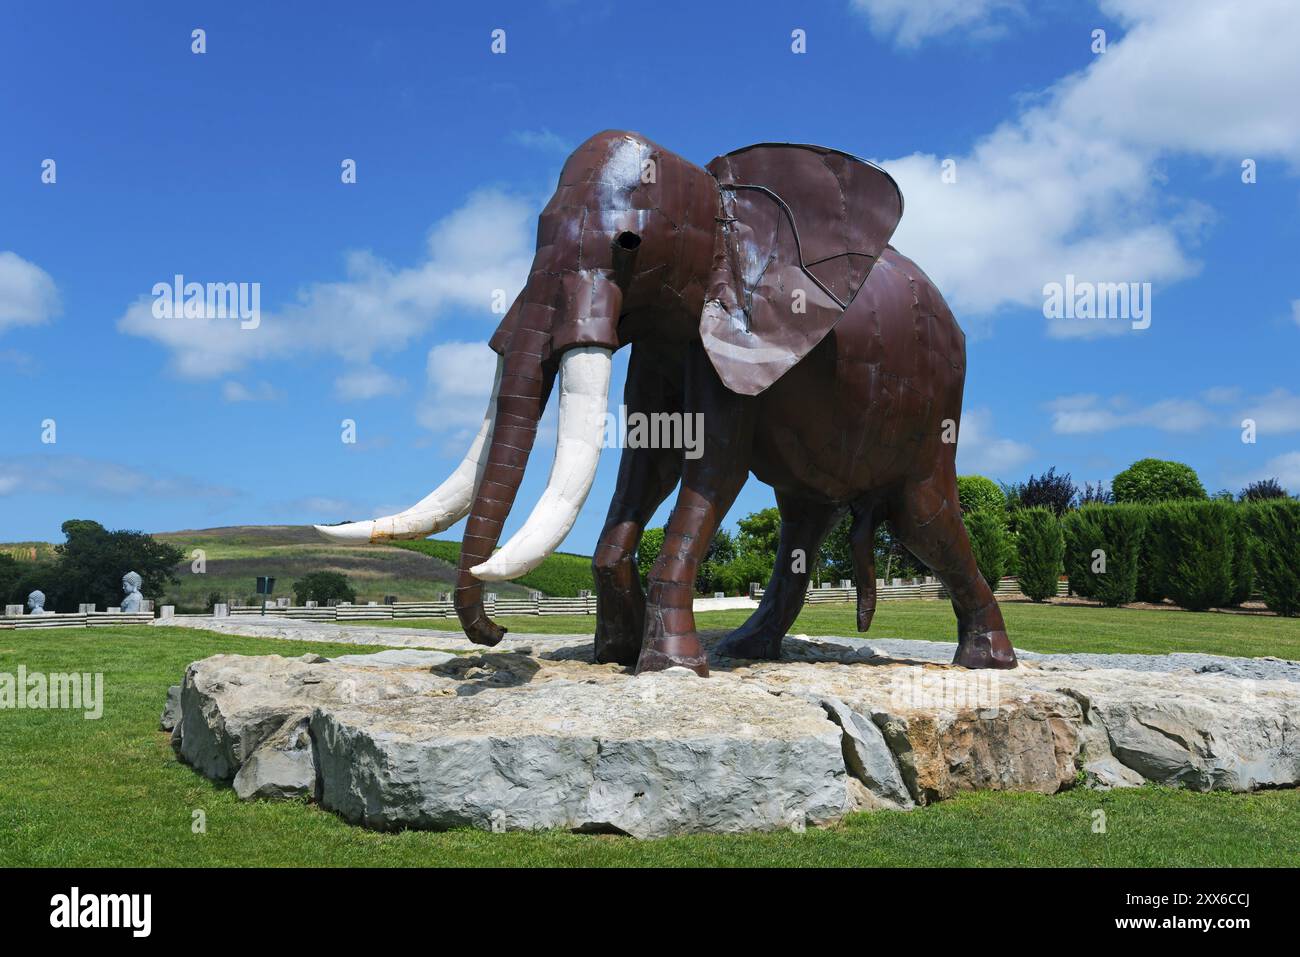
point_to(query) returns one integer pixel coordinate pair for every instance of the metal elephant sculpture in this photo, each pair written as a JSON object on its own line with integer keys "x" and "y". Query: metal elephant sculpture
{"x": 760, "y": 293}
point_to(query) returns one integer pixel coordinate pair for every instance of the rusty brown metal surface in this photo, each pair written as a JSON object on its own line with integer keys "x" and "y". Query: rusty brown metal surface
{"x": 801, "y": 229}
{"x": 762, "y": 294}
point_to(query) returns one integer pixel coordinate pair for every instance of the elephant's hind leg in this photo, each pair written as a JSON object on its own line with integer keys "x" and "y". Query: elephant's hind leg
{"x": 928, "y": 520}
{"x": 804, "y": 525}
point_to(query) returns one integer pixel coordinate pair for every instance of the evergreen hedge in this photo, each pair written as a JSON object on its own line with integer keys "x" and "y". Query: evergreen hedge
{"x": 1194, "y": 551}
{"x": 1103, "y": 551}
{"x": 988, "y": 539}
{"x": 1275, "y": 533}
{"x": 1041, "y": 548}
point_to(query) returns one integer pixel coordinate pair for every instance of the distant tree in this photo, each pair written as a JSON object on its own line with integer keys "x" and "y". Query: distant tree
{"x": 1094, "y": 495}
{"x": 652, "y": 542}
{"x": 38, "y": 576}
{"x": 10, "y": 572}
{"x": 1262, "y": 491}
{"x": 746, "y": 567}
{"x": 92, "y": 561}
{"x": 323, "y": 587}
{"x": 709, "y": 576}
{"x": 1049, "y": 490}
{"x": 836, "y": 558}
{"x": 980, "y": 494}
{"x": 1157, "y": 480}
{"x": 759, "y": 533}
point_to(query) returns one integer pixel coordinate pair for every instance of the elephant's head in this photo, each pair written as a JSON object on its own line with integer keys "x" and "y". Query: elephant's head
{"x": 636, "y": 243}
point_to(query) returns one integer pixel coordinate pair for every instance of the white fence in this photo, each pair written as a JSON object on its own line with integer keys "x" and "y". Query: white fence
{"x": 914, "y": 588}
{"x": 540, "y": 605}
{"x": 537, "y": 605}
{"x": 94, "y": 619}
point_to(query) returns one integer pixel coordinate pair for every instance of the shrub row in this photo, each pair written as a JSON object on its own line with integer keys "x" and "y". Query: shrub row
{"x": 1206, "y": 554}
{"x": 1199, "y": 554}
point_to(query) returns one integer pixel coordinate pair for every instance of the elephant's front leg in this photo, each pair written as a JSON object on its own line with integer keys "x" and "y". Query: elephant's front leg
{"x": 645, "y": 477}
{"x": 710, "y": 483}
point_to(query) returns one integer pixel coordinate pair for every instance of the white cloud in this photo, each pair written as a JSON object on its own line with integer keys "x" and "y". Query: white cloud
{"x": 908, "y": 22}
{"x": 980, "y": 451}
{"x": 28, "y": 296}
{"x": 1221, "y": 395}
{"x": 367, "y": 382}
{"x": 460, "y": 376}
{"x": 1285, "y": 468}
{"x": 485, "y": 245}
{"x": 543, "y": 140}
{"x": 238, "y": 392}
{"x": 1083, "y": 414}
{"x": 1295, "y": 310}
{"x": 76, "y": 475}
{"x": 1277, "y": 411}
{"x": 20, "y": 362}
{"x": 1072, "y": 185}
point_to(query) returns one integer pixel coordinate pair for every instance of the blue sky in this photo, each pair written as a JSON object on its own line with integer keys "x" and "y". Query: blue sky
{"x": 1122, "y": 166}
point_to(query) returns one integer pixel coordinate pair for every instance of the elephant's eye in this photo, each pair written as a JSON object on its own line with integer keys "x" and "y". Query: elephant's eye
{"x": 627, "y": 240}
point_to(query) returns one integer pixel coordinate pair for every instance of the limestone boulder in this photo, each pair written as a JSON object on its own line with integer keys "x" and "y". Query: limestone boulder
{"x": 651, "y": 756}
{"x": 535, "y": 735}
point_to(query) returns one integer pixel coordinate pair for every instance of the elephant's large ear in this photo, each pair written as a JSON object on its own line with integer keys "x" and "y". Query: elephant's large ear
{"x": 799, "y": 230}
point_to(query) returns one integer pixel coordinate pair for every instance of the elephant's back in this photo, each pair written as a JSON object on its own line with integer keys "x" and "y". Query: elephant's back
{"x": 867, "y": 407}
{"x": 900, "y": 324}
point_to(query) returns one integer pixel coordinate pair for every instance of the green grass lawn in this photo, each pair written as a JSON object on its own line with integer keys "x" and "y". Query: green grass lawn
{"x": 1032, "y": 627}
{"x": 110, "y": 792}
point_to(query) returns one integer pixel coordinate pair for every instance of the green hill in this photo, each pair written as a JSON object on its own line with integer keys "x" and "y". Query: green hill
{"x": 413, "y": 571}
{"x": 563, "y": 574}
{"x": 236, "y": 555}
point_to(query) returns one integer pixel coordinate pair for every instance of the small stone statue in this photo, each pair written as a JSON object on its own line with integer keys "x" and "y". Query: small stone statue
{"x": 36, "y": 602}
{"x": 131, "y": 583}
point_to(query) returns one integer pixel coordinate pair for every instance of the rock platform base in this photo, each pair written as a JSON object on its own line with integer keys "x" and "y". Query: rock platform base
{"x": 533, "y": 735}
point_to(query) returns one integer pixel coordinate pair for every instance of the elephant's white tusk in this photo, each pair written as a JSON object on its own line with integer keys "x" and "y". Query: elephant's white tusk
{"x": 441, "y": 508}
{"x": 584, "y": 400}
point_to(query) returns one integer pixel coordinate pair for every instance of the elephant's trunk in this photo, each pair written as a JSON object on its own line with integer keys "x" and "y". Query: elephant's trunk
{"x": 584, "y": 399}
{"x": 520, "y": 400}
